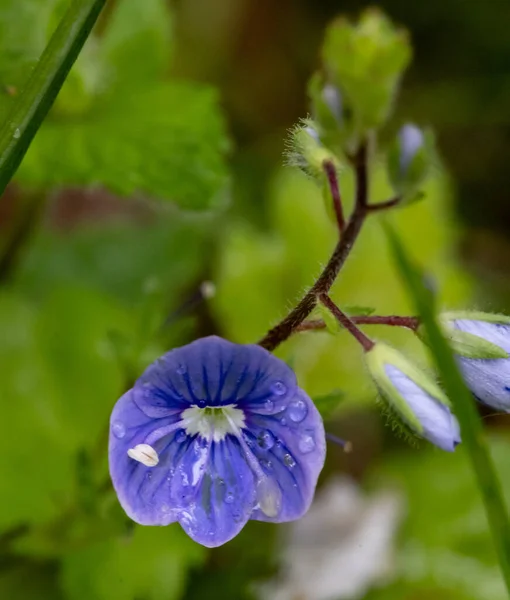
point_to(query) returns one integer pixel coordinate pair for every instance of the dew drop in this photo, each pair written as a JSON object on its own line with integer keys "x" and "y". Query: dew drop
{"x": 283, "y": 421}
{"x": 288, "y": 461}
{"x": 267, "y": 464}
{"x": 229, "y": 497}
{"x": 165, "y": 509}
{"x": 297, "y": 411}
{"x": 180, "y": 436}
{"x": 306, "y": 444}
{"x": 269, "y": 405}
{"x": 269, "y": 497}
{"x": 118, "y": 429}
{"x": 17, "y": 133}
{"x": 149, "y": 475}
{"x": 201, "y": 403}
{"x": 181, "y": 369}
{"x": 278, "y": 388}
{"x": 266, "y": 440}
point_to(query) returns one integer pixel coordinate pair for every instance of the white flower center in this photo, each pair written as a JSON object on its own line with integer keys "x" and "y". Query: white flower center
{"x": 213, "y": 422}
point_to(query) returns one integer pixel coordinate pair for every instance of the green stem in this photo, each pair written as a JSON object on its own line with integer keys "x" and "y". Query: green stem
{"x": 465, "y": 409}
{"x": 39, "y": 93}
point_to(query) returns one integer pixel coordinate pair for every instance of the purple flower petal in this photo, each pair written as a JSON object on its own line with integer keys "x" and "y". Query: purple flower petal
{"x": 291, "y": 449}
{"x": 214, "y": 434}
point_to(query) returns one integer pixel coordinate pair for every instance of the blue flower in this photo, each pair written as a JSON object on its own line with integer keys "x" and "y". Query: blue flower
{"x": 214, "y": 434}
{"x": 483, "y": 355}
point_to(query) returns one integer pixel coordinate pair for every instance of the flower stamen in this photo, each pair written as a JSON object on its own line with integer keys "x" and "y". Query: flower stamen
{"x": 144, "y": 454}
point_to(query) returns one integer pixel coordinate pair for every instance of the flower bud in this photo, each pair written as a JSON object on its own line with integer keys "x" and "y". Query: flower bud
{"x": 413, "y": 397}
{"x": 366, "y": 60}
{"x": 481, "y": 342}
{"x": 306, "y": 150}
{"x": 409, "y": 160}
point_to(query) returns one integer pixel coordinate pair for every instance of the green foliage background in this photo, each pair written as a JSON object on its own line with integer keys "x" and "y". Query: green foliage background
{"x": 133, "y": 165}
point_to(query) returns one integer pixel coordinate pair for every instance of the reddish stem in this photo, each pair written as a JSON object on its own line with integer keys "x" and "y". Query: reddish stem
{"x": 392, "y": 320}
{"x": 347, "y": 323}
{"x": 334, "y": 189}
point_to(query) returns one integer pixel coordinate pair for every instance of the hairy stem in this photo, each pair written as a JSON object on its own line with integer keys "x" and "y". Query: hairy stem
{"x": 288, "y": 325}
{"x": 391, "y": 320}
{"x": 347, "y": 323}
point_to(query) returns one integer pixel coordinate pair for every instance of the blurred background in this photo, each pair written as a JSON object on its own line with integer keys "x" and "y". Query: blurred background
{"x": 160, "y": 168}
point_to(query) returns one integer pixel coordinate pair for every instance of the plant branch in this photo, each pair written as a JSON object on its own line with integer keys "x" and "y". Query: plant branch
{"x": 391, "y": 320}
{"x": 334, "y": 189}
{"x": 287, "y": 326}
{"x": 347, "y": 323}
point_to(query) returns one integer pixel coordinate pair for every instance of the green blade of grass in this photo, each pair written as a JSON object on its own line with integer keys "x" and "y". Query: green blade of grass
{"x": 40, "y": 91}
{"x": 463, "y": 403}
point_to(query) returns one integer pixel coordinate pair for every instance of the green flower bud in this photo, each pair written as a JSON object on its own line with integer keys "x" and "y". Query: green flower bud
{"x": 366, "y": 62}
{"x": 413, "y": 397}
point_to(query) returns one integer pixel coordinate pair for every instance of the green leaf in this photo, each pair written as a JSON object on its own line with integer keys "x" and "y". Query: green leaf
{"x": 136, "y": 45}
{"x": 34, "y": 102}
{"x": 166, "y": 141}
{"x": 152, "y": 564}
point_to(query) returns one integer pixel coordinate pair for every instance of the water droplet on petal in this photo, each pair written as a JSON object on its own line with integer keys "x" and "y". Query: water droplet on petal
{"x": 278, "y": 388}
{"x": 180, "y": 436}
{"x": 269, "y": 496}
{"x": 181, "y": 369}
{"x": 118, "y": 429}
{"x": 267, "y": 464}
{"x": 283, "y": 421}
{"x": 165, "y": 509}
{"x": 288, "y": 461}
{"x": 149, "y": 475}
{"x": 297, "y": 411}
{"x": 306, "y": 444}
{"x": 229, "y": 497}
{"x": 17, "y": 133}
{"x": 269, "y": 405}
{"x": 266, "y": 440}
{"x": 201, "y": 403}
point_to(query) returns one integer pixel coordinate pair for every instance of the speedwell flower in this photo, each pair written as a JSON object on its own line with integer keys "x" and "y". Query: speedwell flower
{"x": 214, "y": 434}
{"x": 482, "y": 344}
{"x": 413, "y": 397}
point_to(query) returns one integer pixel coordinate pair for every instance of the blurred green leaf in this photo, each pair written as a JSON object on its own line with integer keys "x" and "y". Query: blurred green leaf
{"x": 36, "y": 463}
{"x": 174, "y": 148}
{"x": 119, "y": 259}
{"x": 122, "y": 124}
{"x": 81, "y": 367}
{"x": 328, "y": 404}
{"x": 446, "y": 550}
{"x": 151, "y": 564}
